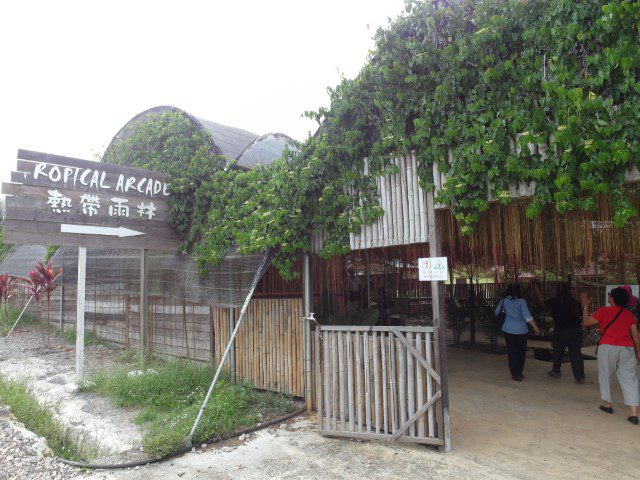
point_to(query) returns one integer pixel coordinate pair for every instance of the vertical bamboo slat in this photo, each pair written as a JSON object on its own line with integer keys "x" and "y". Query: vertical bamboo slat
{"x": 383, "y": 354}
{"x": 327, "y": 390}
{"x": 350, "y": 382}
{"x": 392, "y": 383}
{"x": 367, "y": 382}
{"x": 358, "y": 380}
{"x": 318, "y": 377}
{"x": 411, "y": 377}
{"x": 428, "y": 355}
{"x": 376, "y": 380}
{"x": 420, "y": 384}
{"x": 334, "y": 379}
{"x": 341, "y": 375}
{"x": 402, "y": 382}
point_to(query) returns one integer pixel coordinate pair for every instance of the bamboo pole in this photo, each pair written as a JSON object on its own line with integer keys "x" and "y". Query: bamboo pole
{"x": 327, "y": 389}
{"x": 410, "y": 199}
{"x": 390, "y": 210}
{"x": 334, "y": 382}
{"x": 405, "y": 202}
{"x": 383, "y": 354}
{"x": 188, "y": 442}
{"x": 376, "y": 380}
{"x": 429, "y": 358}
{"x": 358, "y": 380}
{"x": 397, "y": 200}
{"x": 392, "y": 383}
{"x": 419, "y": 385}
{"x": 411, "y": 376}
{"x": 402, "y": 384}
{"x": 367, "y": 382}
{"x": 318, "y": 379}
{"x": 350, "y": 381}
{"x": 385, "y": 206}
{"x": 341, "y": 375}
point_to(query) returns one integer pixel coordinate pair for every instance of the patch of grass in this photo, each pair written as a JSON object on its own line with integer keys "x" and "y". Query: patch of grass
{"x": 128, "y": 356}
{"x": 169, "y": 401}
{"x": 8, "y": 318}
{"x": 38, "y": 419}
{"x": 90, "y": 338}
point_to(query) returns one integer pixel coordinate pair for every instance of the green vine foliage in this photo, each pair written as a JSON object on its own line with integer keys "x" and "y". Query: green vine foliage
{"x": 170, "y": 143}
{"x": 470, "y": 84}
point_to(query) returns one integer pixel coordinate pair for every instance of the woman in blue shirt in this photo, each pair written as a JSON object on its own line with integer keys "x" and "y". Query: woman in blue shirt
{"x": 515, "y": 329}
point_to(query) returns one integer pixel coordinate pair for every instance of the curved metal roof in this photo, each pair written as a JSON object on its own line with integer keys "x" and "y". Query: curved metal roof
{"x": 234, "y": 143}
{"x": 22, "y": 260}
{"x": 264, "y": 150}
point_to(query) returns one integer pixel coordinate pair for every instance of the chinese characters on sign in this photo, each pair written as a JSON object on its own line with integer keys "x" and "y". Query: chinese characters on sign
{"x": 119, "y": 207}
{"x": 59, "y": 203}
{"x": 90, "y": 204}
{"x": 433, "y": 269}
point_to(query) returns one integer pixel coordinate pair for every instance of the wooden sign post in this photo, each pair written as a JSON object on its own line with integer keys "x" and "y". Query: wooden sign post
{"x": 57, "y": 200}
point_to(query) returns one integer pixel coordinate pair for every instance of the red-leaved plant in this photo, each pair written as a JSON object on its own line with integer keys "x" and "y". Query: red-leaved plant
{"x": 48, "y": 277}
{"x": 6, "y": 284}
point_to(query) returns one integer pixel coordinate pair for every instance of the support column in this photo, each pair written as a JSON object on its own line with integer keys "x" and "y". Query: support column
{"x": 306, "y": 330}
{"x": 82, "y": 277}
{"x": 143, "y": 306}
{"x": 440, "y": 328}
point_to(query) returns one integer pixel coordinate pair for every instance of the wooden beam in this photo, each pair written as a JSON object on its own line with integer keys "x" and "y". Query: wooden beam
{"x": 421, "y": 411}
{"x": 440, "y": 329}
{"x": 415, "y": 353}
{"x": 380, "y": 436}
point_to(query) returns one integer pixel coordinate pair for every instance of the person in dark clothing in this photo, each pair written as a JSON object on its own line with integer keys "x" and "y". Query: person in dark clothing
{"x": 567, "y": 332}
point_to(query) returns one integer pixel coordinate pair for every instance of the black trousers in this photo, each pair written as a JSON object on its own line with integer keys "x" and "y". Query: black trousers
{"x": 571, "y": 338}
{"x": 516, "y": 351}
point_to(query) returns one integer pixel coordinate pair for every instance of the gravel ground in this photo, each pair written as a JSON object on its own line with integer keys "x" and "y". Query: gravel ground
{"x": 25, "y": 456}
{"x": 100, "y": 428}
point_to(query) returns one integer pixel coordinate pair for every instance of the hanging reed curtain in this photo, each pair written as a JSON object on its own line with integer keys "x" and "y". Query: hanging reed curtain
{"x": 504, "y": 236}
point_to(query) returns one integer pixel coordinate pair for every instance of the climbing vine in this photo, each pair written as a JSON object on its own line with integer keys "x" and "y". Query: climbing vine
{"x": 495, "y": 92}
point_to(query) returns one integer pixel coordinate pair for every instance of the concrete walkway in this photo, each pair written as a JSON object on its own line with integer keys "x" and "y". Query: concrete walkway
{"x": 541, "y": 428}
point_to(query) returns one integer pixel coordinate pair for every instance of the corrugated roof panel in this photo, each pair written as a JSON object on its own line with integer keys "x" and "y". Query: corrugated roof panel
{"x": 264, "y": 150}
{"x": 22, "y": 260}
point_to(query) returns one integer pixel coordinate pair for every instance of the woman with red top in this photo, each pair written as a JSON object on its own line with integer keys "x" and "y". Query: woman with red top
{"x": 618, "y": 350}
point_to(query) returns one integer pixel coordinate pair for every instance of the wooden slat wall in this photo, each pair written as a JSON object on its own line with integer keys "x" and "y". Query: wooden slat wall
{"x": 268, "y": 346}
{"x": 404, "y": 202}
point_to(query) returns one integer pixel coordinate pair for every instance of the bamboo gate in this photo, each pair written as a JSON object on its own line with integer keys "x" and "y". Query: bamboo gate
{"x": 378, "y": 383}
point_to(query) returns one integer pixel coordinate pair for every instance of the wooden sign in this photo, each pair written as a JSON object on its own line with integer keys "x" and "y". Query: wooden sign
{"x": 54, "y": 200}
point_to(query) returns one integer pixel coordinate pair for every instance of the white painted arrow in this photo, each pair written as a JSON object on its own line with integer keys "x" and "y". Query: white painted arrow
{"x": 93, "y": 230}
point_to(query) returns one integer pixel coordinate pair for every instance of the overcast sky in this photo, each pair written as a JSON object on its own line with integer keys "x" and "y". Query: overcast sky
{"x": 72, "y": 73}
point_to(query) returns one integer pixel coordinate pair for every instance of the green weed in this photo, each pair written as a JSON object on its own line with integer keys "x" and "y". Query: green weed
{"x": 39, "y": 419}
{"x": 8, "y": 318}
{"x": 169, "y": 401}
{"x": 90, "y": 338}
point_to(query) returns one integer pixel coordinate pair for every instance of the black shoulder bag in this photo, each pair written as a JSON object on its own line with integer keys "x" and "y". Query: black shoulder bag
{"x": 607, "y": 327}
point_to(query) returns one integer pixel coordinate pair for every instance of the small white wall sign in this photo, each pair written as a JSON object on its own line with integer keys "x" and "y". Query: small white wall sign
{"x": 433, "y": 269}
